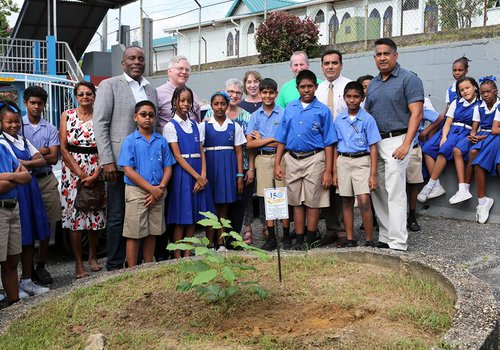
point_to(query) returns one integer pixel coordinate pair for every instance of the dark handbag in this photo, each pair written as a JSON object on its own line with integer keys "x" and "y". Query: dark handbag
{"x": 90, "y": 198}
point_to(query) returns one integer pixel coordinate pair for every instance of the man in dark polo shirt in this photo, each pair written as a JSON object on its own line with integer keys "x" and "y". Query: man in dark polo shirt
{"x": 395, "y": 99}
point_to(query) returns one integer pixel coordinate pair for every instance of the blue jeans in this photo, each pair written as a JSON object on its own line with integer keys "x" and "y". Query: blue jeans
{"x": 115, "y": 243}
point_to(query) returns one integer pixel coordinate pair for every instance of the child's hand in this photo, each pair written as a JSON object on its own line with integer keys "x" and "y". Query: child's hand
{"x": 156, "y": 192}
{"x": 240, "y": 184}
{"x": 373, "y": 182}
{"x": 422, "y": 137}
{"x": 249, "y": 176}
{"x": 279, "y": 173}
{"x": 335, "y": 180}
{"x": 472, "y": 138}
{"x": 326, "y": 180}
{"x": 202, "y": 181}
{"x": 255, "y": 135}
{"x": 149, "y": 201}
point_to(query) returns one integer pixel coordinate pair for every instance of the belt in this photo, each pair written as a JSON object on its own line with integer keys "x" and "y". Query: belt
{"x": 43, "y": 174}
{"x": 486, "y": 130}
{"x": 219, "y": 148}
{"x": 354, "y": 155}
{"x": 82, "y": 150}
{"x": 302, "y": 155}
{"x": 462, "y": 125}
{"x": 8, "y": 203}
{"x": 192, "y": 155}
{"x": 393, "y": 133}
{"x": 416, "y": 145}
{"x": 266, "y": 152}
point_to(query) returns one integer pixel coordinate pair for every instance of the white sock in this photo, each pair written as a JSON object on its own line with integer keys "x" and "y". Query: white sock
{"x": 481, "y": 201}
{"x": 467, "y": 187}
{"x": 432, "y": 183}
{"x": 463, "y": 187}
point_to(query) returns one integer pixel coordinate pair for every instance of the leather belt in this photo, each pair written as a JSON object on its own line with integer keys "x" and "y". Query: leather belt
{"x": 462, "y": 125}
{"x": 8, "y": 203}
{"x": 192, "y": 155}
{"x": 354, "y": 155}
{"x": 386, "y": 135}
{"x": 82, "y": 150}
{"x": 219, "y": 148}
{"x": 266, "y": 152}
{"x": 302, "y": 155}
{"x": 43, "y": 174}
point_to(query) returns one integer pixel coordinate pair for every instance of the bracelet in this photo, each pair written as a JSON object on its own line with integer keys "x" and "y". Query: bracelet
{"x": 239, "y": 175}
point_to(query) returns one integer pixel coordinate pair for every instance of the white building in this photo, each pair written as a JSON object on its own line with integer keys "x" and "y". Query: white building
{"x": 339, "y": 21}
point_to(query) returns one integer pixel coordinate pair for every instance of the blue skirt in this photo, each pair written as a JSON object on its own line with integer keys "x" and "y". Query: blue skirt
{"x": 32, "y": 214}
{"x": 183, "y": 206}
{"x": 455, "y": 135}
{"x": 489, "y": 155}
{"x": 221, "y": 175}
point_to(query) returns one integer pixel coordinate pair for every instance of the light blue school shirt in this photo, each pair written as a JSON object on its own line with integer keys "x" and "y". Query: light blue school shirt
{"x": 8, "y": 164}
{"x": 147, "y": 158}
{"x": 306, "y": 129}
{"x": 356, "y": 135}
{"x": 428, "y": 115}
{"x": 45, "y": 135}
{"x": 264, "y": 124}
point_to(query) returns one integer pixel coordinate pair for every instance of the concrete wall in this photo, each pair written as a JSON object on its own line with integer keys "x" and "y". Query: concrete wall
{"x": 432, "y": 64}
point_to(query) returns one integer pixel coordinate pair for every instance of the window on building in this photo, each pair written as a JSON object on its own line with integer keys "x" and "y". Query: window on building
{"x": 410, "y": 5}
{"x": 230, "y": 45}
{"x": 387, "y": 27}
{"x": 333, "y": 28}
{"x": 346, "y": 16}
{"x": 320, "y": 17}
{"x": 237, "y": 43}
{"x": 374, "y": 14}
{"x": 251, "y": 29}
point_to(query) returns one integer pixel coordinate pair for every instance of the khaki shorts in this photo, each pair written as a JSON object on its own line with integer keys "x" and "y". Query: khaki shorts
{"x": 303, "y": 179}
{"x": 353, "y": 175}
{"x": 414, "y": 170}
{"x": 51, "y": 198}
{"x": 10, "y": 233}
{"x": 140, "y": 221}
{"x": 264, "y": 166}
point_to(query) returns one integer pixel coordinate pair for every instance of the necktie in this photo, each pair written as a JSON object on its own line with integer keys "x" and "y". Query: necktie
{"x": 330, "y": 97}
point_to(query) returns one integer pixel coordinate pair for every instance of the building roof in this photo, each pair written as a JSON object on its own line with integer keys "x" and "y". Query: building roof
{"x": 258, "y": 6}
{"x": 165, "y": 43}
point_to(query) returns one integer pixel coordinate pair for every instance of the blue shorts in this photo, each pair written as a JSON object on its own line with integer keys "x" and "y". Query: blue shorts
{"x": 489, "y": 155}
{"x": 455, "y": 135}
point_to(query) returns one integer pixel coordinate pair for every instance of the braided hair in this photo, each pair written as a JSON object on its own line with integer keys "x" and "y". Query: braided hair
{"x": 176, "y": 95}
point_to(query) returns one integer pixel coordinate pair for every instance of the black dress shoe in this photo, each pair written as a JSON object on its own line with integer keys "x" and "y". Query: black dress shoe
{"x": 328, "y": 238}
{"x": 270, "y": 245}
{"x": 370, "y": 244}
{"x": 412, "y": 225}
{"x": 351, "y": 243}
{"x": 287, "y": 244}
{"x": 382, "y": 245}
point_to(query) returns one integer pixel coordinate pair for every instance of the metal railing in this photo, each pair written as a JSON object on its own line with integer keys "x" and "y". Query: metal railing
{"x": 32, "y": 57}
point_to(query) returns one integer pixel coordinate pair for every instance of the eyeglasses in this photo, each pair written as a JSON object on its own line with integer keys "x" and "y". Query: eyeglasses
{"x": 236, "y": 93}
{"x": 182, "y": 69}
{"x": 88, "y": 94}
{"x": 9, "y": 106}
{"x": 145, "y": 115}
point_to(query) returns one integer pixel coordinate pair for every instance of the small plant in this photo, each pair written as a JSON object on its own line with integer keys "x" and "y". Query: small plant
{"x": 212, "y": 264}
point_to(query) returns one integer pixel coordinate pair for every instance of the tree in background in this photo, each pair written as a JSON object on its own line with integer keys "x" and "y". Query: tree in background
{"x": 7, "y": 7}
{"x": 282, "y": 33}
{"x": 459, "y": 13}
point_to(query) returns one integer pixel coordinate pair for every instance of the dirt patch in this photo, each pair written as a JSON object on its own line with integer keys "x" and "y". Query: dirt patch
{"x": 323, "y": 303}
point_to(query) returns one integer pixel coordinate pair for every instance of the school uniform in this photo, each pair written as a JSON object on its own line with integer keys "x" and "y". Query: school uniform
{"x": 489, "y": 155}
{"x": 306, "y": 129}
{"x": 451, "y": 93}
{"x": 148, "y": 158}
{"x": 10, "y": 227}
{"x": 34, "y": 221}
{"x": 266, "y": 125}
{"x": 219, "y": 142}
{"x": 460, "y": 112}
{"x": 43, "y": 135}
{"x": 355, "y": 136}
{"x": 184, "y": 206}
{"x": 484, "y": 117}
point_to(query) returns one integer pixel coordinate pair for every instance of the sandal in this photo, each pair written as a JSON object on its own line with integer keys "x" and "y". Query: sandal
{"x": 247, "y": 237}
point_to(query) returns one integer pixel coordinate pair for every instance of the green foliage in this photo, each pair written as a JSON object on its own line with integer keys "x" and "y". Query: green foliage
{"x": 215, "y": 276}
{"x": 282, "y": 33}
{"x": 7, "y": 7}
{"x": 459, "y": 13}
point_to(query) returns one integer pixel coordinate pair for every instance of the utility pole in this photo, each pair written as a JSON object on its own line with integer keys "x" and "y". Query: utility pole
{"x": 199, "y": 35}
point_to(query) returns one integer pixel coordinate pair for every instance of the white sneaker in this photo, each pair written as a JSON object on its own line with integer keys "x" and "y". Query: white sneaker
{"x": 436, "y": 192}
{"x": 32, "y": 288}
{"x": 2, "y": 297}
{"x": 460, "y": 196}
{"x": 22, "y": 294}
{"x": 424, "y": 194}
{"x": 483, "y": 211}
{"x": 222, "y": 249}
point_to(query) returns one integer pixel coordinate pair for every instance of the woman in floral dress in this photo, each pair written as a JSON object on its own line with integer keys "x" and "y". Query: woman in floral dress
{"x": 80, "y": 163}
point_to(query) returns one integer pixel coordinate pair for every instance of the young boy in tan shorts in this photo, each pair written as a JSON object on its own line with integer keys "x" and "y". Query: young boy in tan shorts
{"x": 355, "y": 161}
{"x": 260, "y": 137}
{"x": 307, "y": 133}
{"x": 146, "y": 159}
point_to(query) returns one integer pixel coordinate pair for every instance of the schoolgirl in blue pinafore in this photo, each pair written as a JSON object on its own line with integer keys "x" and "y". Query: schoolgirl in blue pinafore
{"x": 221, "y": 163}
{"x": 32, "y": 214}
{"x": 184, "y": 206}
{"x": 489, "y": 154}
